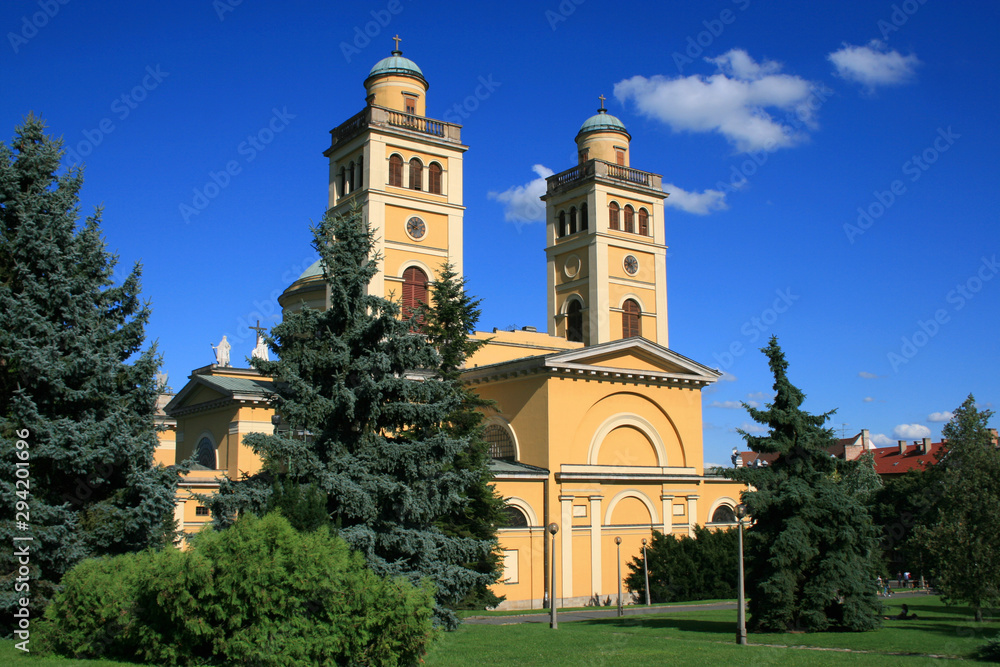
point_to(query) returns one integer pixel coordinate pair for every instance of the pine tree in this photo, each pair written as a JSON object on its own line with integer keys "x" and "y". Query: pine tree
{"x": 75, "y": 384}
{"x": 448, "y": 322}
{"x": 812, "y": 548}
{"x": 964, "y": 536}
{"x": 363, "y": 390}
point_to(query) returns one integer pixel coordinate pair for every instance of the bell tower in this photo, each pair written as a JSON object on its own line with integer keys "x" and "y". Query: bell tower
{"x": 606, "y": 252}
{"x": 404, "y": 171}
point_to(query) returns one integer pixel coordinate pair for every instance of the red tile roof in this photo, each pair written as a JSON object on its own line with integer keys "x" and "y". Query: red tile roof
{"x": 888, "y": 460}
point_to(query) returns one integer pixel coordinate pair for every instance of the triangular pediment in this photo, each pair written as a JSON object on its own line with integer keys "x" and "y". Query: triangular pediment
{"x": 209, "y": 388}
{"x": 633, "y": 356}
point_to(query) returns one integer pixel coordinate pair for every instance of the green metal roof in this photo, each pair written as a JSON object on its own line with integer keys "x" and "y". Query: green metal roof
{"x": 396, "y": 64}
{"x": 602, "y": 121}
{"x": 501, "y": 467}
{"x": 314, "y": 270}
{"x": 231, "y": 385}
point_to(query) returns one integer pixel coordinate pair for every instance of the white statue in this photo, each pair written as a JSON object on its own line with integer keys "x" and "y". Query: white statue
{"x": 222, "y": 352}
{"x": 260, "y": 349}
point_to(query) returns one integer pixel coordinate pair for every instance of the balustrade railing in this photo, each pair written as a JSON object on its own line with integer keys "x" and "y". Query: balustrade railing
{"x": 603, "y": 169}
{"x": 373, "y": 115}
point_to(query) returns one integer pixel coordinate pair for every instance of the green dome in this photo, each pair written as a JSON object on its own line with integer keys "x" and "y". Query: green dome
{"x": 316, "y": 269}
{"x": 396, "y": 64}
{"x": 602, "y": 121}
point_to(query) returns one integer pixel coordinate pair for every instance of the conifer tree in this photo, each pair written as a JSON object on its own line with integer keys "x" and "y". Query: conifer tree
{"x": 75, "y": 383}
{"x": 811, "y": 551}
{"x": 448, "y": 322}
{"x": 367, "y": 410}
{"x": 964, "y": 536}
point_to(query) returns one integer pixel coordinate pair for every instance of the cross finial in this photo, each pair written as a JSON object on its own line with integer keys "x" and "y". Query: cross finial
{"x": 397, "y": 39}
{"x": 601, "y": 97}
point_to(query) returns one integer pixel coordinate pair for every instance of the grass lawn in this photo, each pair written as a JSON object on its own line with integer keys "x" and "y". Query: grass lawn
{"x": 685, "y": 638}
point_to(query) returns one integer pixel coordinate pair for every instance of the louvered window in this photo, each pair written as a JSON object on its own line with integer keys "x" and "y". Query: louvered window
{"x": 583, "y": 217}
{"x": 416, "y": 174}
{"x": 613, "y": 216}
{"x": 643, "y": 222}
{"x": 630, "y": 220}
{"x": 396, "y": 171}
{"x": 434, "y": 178}
{"x": 631, "y": 319}
{"x": 414, "y": 289}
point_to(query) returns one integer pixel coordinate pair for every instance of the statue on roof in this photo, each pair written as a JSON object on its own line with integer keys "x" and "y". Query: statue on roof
{"x": 260, "y": 348}
{"x": 222, "y": 352}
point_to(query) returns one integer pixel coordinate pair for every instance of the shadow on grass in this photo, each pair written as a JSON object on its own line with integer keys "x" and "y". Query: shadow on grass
{"x": 664, "y": 623}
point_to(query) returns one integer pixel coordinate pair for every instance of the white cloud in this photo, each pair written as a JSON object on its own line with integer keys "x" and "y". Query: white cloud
{"x": 760, "y": 396}
{"x": 733, "y": 102}
{"x": 521, "y": 202}
{"x": 869, "y": 399}
{"x": 699, "y": 203}
{"x": 753, "y": 428}
{"x": 911, "y": 431}
{"x": 882, "y": 440}
{"x": 874, "y": 64}
{"x": 867, "y": 375}
{"x": 945, "y": 416}
{"x": 728, "y": 405}
{"x": 727, "y": 377}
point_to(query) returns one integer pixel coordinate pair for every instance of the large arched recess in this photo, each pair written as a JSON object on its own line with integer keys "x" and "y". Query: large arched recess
{"x": 633, "y": 410}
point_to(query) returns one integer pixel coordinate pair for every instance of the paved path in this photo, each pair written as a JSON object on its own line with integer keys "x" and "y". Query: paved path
{"x": 612, "y": 612}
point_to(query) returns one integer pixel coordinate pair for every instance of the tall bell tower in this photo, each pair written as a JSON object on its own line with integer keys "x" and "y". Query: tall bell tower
{"x": 606, "y": 251}
{"x": 404, "y": 171}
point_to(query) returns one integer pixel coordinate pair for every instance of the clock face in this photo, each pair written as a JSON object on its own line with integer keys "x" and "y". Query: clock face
{"x": 416, "y": 228}
{"x": 631, "y": 265}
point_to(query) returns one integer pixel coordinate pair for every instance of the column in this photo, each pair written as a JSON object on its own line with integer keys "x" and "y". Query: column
{"x": 668, "y": 512}
{"x": 566, "y": 557}
{"x": 595, "y": 545}
{"x": 692, "y": 514}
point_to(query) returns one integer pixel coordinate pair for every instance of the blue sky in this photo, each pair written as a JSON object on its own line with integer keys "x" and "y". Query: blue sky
{"x": 832, "y": 168}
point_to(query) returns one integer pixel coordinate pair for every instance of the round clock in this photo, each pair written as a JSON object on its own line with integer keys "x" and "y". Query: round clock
{"x": 416, "y": 228}
{"x": 631, "y": 265}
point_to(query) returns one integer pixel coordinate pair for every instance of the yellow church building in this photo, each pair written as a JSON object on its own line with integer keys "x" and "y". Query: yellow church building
{"x": 599, "y": 423}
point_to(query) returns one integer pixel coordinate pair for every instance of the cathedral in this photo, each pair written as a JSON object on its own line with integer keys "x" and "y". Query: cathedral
{"x": 598, "y": 427}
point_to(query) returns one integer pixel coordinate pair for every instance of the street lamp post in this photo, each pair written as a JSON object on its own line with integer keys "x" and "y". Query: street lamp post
{"x": 645, "y": 566}
{"x": 741, "y": 612}
{"x": 618, "y": 542}
{"x": 553, "y": 621}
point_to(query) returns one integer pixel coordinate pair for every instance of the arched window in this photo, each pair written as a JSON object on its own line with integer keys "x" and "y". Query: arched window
{"x": 360, "y": 180}
{"x": 629, "y": 219}
{"x": 613, "y": 216}
{"x": 414, "y": 289}
{"x": 583, "y": 217}
{"x": 724, "y": 514}
{"x": 643, "y": 222}
{"x": 574, "y": 322}
{"x": 500, "y": 441}
{"x": 631, "y": 319}
{"x": 343, "y": 181}
{"x": 515, "y": 517}
{"x": 562, "y": 223}
{"x": 416, "y": 174}
{"x": 396, "y": 171}
{"x": 572, "y": 220}
{"x": 350, "y": 177}
{"x": 205, "y": 454}
{"x": 434, "y": 178}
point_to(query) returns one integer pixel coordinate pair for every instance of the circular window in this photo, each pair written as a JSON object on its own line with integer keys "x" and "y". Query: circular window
{"x": 631, "y": 265}
{"x": 416, "y": 228}
{"x": 572, "y": 266}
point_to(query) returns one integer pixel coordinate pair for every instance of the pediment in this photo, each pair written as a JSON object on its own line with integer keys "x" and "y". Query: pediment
{"x": 633, "y": 356}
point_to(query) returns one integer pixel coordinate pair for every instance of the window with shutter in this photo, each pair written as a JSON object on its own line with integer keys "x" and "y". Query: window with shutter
{"x": 630, "y": 220}
{"x": 434, "y": 178}
{"x": 631, "y": 319}
{"x": 643, "y": 222}
{"x": 416, "y": 174}
{"x": 414, "y": 289}
{"x": 396, "y": 171}
{"x": 613, "y": 216}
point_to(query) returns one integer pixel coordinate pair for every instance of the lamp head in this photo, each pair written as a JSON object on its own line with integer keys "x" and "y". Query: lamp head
{"x": 741, "y": 511}
{"x": 618, "y": 540}
{"x": 644, "y": 541}
{"x": 553, "y": 528}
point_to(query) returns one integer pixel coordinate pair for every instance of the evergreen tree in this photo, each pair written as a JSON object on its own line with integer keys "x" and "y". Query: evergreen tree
{"x": 964, "y": 537}
{"x": 811, "y": 549}
{"x": 448, "y": 322}
{"x": 75, "y": 384}
{"x": 363, "y": 390}
{"x": 700, "y": 568}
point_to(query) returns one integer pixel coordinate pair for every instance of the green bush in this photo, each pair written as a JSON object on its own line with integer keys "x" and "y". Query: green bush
{"x": 685, "y": 568}
{"x": 258, "y": 593}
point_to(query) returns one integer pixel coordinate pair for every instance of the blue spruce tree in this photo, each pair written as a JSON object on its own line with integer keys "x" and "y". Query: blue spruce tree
{"x": 76, "y": 385}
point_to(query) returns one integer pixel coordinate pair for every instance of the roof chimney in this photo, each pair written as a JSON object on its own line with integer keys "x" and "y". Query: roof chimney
{"x": 996, "y": 439}
{"x": 925, "y": 446}
{"x": 866, "y": 441}
{"x": 902, "y": 446}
